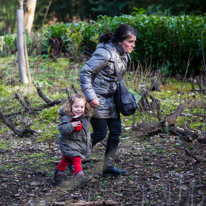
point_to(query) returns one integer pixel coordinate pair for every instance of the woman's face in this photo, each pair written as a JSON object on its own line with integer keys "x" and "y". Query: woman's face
{"x": 128, "y": 44}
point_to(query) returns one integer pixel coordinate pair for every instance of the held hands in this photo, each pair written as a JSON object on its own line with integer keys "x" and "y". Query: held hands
{"x": 94, "y": 102}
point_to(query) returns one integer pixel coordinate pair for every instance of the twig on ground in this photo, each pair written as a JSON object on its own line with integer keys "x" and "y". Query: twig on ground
{"x": 198, "y": 160}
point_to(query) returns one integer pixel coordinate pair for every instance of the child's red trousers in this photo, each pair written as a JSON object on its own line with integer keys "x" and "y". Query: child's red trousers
{"x": 67, "y": 160}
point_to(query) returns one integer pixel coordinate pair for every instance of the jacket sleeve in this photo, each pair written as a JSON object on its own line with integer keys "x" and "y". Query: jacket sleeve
{"x": 98, "y": 61}
{"x": 65, "y": 127}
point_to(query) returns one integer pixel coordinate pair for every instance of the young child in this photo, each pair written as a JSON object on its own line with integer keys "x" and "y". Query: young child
{"x": 74, "y": 139}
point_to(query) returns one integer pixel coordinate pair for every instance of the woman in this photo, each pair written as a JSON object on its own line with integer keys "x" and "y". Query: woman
{"x": 98, "y": 82}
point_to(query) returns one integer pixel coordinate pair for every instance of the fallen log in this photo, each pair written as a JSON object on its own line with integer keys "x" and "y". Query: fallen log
{"x": 91, "y": 203}
{"x": 20, "y": 132}
{"x": 145, "y": 128}
{"x": 190, "y": 135}
{"x": 186, "y": 133}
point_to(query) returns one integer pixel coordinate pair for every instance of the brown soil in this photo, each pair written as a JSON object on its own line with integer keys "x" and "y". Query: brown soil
{"x": 160, "y": 173}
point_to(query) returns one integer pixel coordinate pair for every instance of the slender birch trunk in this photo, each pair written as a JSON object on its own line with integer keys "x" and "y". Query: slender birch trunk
{"x": 20, "y": 46}
{"x": 29, "y": 15}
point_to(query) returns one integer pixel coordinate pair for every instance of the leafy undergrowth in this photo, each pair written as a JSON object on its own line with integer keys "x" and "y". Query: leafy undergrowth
{"x": 159, "y": 173}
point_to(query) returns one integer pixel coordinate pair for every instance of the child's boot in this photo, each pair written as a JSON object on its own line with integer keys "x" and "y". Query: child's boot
{"x": 58, "y": 177}
{"x": 82, "y": 179}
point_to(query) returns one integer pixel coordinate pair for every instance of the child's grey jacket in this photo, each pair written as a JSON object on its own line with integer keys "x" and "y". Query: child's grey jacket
{"x": 74, "y": 143}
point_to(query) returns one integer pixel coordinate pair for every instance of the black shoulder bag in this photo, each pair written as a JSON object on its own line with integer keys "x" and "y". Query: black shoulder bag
{"x": 124, "y": 100}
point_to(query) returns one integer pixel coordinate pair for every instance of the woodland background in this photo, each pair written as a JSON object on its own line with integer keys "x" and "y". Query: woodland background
{"x": 163, "y": 144}
{"x": 67, "y": 11}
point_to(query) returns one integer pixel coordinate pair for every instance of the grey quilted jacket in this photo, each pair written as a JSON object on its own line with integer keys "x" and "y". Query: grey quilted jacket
{"x": 74, "y": 143}
{"x": 98, "y": 78}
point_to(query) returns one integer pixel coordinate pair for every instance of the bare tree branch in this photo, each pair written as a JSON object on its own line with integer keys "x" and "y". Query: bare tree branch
{"x": 21, "y": 102}
{"x": 75, "y": 90}
{"x": 68, "y": 93}
{"x": 172, "y": 118}
{"x": 41, "y": 94}
{"x": 10, "y": 124}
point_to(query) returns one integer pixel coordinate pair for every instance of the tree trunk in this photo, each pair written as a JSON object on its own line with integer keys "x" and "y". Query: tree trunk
{"x": 29, "y": 15}
{"x": 20, "y": 46}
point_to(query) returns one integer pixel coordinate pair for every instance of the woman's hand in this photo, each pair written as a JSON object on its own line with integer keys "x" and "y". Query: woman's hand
{"x": 94, "y": 102}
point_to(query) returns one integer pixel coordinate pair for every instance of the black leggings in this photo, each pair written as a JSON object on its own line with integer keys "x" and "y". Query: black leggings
{"x": 101, "y": 126}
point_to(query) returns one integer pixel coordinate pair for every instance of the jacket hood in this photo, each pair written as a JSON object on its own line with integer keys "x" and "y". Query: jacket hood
{"x": 113, "y": 47}
{"x": 61, "y": 111}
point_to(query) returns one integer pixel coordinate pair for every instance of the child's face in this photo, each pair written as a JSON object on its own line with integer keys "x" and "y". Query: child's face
{"x": 78, "y": 107}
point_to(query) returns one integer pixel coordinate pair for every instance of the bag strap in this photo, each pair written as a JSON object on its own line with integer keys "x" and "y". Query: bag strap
{"x": 116, "y": 67}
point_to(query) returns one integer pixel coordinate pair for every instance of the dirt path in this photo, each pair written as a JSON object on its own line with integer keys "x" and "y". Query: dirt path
{"x": 160, "y": 173}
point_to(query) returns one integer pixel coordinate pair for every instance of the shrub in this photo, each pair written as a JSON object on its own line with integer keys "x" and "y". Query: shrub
{"x": 172, "y": 44}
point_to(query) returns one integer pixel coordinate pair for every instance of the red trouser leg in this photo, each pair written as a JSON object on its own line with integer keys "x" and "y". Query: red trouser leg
{"x": 64, "y": 163}
{"x": 76, "y": 164}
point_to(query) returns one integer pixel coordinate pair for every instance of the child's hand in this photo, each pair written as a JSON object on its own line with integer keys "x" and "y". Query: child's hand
{"x": 76, "y": 124}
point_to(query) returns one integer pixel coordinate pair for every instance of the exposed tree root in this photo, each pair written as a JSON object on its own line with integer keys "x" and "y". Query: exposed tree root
{"x": 28, "y": 109}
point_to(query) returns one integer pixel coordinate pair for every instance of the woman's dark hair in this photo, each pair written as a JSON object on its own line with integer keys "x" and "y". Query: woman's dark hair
{"x": 121, "y": 33}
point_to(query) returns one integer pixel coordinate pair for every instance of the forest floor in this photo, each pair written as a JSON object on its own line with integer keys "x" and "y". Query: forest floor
{"x": 159, "y": 173}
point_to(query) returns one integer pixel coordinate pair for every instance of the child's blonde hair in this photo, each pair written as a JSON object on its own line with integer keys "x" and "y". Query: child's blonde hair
{"x": 68, "y": 105}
